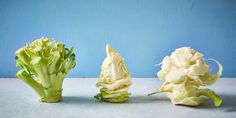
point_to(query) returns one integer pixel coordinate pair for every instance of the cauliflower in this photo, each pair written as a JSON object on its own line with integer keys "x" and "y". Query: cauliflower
{"x": 183, "y": 73}
{"x": 115, "y": 79}
{"x": 45, "y": 64}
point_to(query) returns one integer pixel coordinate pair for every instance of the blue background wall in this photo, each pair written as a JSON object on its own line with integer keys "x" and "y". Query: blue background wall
{"x": 143, "y": 31}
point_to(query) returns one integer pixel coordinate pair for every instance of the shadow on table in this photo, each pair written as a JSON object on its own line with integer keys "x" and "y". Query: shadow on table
{"x": 146, "y": 99}
{"x": 228, "y": 104}
{"x": 78, "y": 100}
{"x": 132, "y": 100}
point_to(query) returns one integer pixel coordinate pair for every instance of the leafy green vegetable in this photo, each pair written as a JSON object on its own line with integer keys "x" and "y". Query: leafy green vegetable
{"x": 44, "y": 66}
{"x": 184, "y": 72}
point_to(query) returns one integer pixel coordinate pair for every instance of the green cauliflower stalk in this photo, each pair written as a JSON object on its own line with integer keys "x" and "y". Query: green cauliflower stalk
{"x": 184, "y": 72}
{"x": 44, "y": 66}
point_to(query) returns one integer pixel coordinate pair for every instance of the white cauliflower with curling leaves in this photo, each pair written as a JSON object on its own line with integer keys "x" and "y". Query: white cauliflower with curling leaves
{"x": 184, "y": 72}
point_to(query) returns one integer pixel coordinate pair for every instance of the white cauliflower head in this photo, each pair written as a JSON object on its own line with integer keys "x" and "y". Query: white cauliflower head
{"x": 184, "y": 71}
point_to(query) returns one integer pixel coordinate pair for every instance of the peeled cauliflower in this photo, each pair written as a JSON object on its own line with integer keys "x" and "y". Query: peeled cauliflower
{"x": 183, "y": 73}
{"x": 115, "y": 79}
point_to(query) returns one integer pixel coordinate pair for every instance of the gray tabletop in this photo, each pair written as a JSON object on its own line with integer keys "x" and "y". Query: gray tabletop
{"x": 19, "y": 101}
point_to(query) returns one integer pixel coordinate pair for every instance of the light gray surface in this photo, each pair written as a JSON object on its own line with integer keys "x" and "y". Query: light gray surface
{"x": 19, "y": 101}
